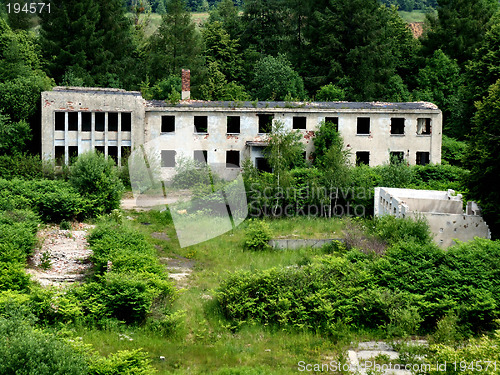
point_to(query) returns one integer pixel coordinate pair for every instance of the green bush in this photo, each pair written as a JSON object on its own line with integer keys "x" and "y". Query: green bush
{"x": 27, "y": 167}
{"x": 129, "y": 362}
{"x": 96, "y": 178}
{"x": 392, "y": 230}
{"x": 257, "y": 235}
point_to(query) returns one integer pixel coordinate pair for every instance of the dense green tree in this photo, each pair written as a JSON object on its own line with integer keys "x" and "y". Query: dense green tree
{"x": 459, "y": 27}
{"x": 216, "y": 87}
{"x": 330, "y": 93}
{"x": 13, "y": 136}
{"x": 226, "y": 13}
{"x": 483, "y": 158}
{"x": 175, "y": 45}
{"x": 275, "y": 79}
{"x": 90, "y": 39}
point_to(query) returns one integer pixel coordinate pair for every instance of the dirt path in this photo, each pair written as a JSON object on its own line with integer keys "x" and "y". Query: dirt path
{"x": 65, "y": 255}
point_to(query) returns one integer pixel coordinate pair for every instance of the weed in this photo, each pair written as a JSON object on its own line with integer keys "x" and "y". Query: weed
{"x": 45, "y": 262}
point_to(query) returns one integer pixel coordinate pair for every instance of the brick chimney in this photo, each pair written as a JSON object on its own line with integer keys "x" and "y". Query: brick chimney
{"x": 186, "y": 84}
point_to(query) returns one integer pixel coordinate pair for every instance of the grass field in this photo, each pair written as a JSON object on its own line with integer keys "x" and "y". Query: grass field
{"x": 203, "y": 343}
{"x": 414, "y": 16}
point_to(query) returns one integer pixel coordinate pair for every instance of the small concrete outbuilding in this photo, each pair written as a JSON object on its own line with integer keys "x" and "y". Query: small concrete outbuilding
{"x": 443, "y": 210}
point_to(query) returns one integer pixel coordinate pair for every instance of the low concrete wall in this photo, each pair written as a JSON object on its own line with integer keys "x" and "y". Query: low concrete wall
{"x": 297, "y": 244}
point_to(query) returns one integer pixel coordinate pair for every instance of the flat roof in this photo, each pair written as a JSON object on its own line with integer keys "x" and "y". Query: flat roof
{"x": 410, "y": 106}
{"x": 95, "y": 90}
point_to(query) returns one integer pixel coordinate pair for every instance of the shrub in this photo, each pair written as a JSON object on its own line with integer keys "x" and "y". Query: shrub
{"x": 392, "y": 230}
{"x": 257, "y": 235}
{"x": 130, "y": 362}
{"x": 27, "y": 167}
{"x": 96, "y": 178}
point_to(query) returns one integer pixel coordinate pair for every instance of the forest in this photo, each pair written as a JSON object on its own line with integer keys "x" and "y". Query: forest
{"x": 246, "y": 308}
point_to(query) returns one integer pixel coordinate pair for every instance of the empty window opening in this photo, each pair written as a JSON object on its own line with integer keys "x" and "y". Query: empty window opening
{"x": 363, "y": 157}
{"x": 112, "y": 121}
{"x": 86, "y": 121}
{"x": 334, "y": 121}
{"x": 265, "y": 123}
{"x": 59, "y": 121}
{"x": 113, "y": 153}
{"x": 424, "y": 126}
{"x": 99, "y": 121}
{"x": 299, "y": 122}
{"x": 397, "y": 157}
{"x": 126, "y": 122}
{"x": 423, "y": 158}
{"x": 73, "y": 121}
{"x": 233, "y": 124}
{"x": 59, "y": 155}
{"x": 167, "y": 124}
{"x": 363, "y": 125}
{"x": 201, "y": 124}
{"x": 99, "y": 149}
{"x": 200, "y": 156}
{"x": 73, "y": 154}
{"x": 125, "y": 155}
{"x": 168, "y": 158}
{"x": 397, "y": 125}
{"x": 262, "y": 165}
{"x": 232, "y": 159}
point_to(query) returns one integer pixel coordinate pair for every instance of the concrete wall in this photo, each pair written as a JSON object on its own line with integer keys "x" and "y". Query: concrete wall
{"x": 442, "y": 210}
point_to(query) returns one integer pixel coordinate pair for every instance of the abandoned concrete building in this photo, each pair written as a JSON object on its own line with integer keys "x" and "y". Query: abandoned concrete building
{"x": 443, "y": 210}
{"x": 113, "y": 121}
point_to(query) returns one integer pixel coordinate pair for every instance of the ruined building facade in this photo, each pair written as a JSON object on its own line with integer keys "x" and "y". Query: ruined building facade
{"x": 76, "y": 120}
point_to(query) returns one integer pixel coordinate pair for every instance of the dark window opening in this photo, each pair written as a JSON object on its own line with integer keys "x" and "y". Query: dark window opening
{"x": 233, "y": 124}
{"x": 73, "y": 154}
{"x": 334, "y": 121}
{"x": 397, "y": 125}
{"x": 423, "y": 158}
{"x": 167, "y": 124}
{"x": 59, "y": 121}
{"x": 112, "y": 121}
{"x": 168, "y": 158}
{"x": 363, "y": 125}
{"x": 73, "y": 121}
{"x": 363, "y": 157}
{"x": 99, "y": 149}
{"x": 397, "y": 157}
{"x": 201, "y": 124}
{"x": 262, "y": 165}
{"x": 99, "y": 121}
{"x": 265, "y": 123}
{"x": 424, "y": 126}
{"x": 59, "y": 155}
{"x": 86, "y": 121}
{"x": 232, "y": 159}
{"x": 304, "y": 155}
{"x": 126, "y": 150}
{"x": 126, "y": 122}
{"x": 299, "y": 122}
{"x": 200, "y": 156}
{"x": 113, "y": 153}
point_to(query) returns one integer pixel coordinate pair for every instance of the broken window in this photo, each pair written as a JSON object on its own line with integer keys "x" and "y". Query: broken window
{"x": 99, "y": 121}
{"x": 60, "y": 120}
{"x": 232, "y": 159}
{"x": 262, "y": 165}
{"x": 233, "y": 124}
{"x": 299, "y": 122}
{"x": 168, "y": 158}
{"x": 73, "y": 154}
{"x": 423, "y": 158}
{"x": 363, "y": 125}
{"x": 168, "y": 124}
{"x": 200, "y": 156}
{"x": 363, "y": 157}
{"x": 73, "y": 121}
{"x": 201, "y": 124}
{"x": 113, "y": 153}
{"x": 397, "y": 125}
{"x": 99, "y": 149}
{"x": 265, "y": 123}
{"x": 397, "y": 157}
{"x": 86, "y": 121}
{"x": 424, "y": 126}
{"x": 126, "y": 122}
{"x": 125, "y": 154}
{"x": 59, "y": 155}
{"x": 334, "y": 121}
{"x": 113, "y": 122}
